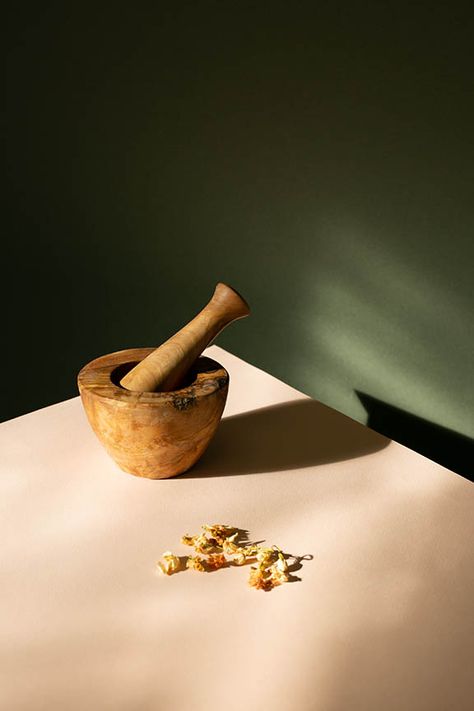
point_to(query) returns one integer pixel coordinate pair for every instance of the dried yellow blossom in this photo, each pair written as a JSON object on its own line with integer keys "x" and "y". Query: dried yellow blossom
{"x": 266, "y": 556}
{"x": 281, "y": 563}
{"x": 188, "y": 540}
{"x": 203, "y": 544}
{"x": 219, "y": 532}
{"x": 215, "y": 561}
{"x": 260, "y": 579}
{"x": 196, "y": 563}
{"x": 272, "y": 569}
{"x": 170, "y": 563}
{"x": 239, "y": 559}
{"x": 240, "y": 553}
{"x": 278, "y": 576}
{"x": 218, "y": 547}
{"x": 230, "y": 547}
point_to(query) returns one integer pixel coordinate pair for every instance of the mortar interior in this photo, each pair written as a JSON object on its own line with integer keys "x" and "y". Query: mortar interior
{"x": 201, "y": 365}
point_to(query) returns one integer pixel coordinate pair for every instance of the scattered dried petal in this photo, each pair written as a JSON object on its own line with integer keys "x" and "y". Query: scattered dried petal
{"x": 170, "y": 563}
{"x": 196, "y": 563}
{"x": 218, "y": 541}
{"x": 266, "y": 556}
{"x": 230, "y": 547}
{"x": 216, "y": 561}
{"x": 281, "y": 563}
{"x": 188, "y": 540}
{"x": 239, "y": 559}
{"x": 220, "y": 532}
{"x": 259, "y": 579}
{"x": 278, "y": 576}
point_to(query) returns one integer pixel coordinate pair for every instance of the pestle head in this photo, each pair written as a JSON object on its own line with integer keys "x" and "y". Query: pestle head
{"x": 155, "y": 435}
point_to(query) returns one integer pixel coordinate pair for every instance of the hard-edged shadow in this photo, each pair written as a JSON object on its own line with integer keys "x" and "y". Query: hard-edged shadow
{"x": 291, "y": 435}
{"x": 446, "y": 447}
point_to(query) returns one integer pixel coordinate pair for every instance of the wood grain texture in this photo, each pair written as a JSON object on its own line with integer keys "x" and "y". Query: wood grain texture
{"x": 165, "y": 368}
{"x": 153, "y": 434}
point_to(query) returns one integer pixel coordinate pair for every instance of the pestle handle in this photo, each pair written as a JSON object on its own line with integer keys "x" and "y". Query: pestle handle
{"x": 165, "y": 368}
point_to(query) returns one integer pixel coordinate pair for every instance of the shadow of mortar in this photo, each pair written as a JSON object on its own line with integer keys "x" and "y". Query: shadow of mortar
{"x": 446, "y": 447}
{"x": 292, "y": 435}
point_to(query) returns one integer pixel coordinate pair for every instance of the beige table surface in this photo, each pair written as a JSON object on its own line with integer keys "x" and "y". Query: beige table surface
{"x": 382, "y": 618}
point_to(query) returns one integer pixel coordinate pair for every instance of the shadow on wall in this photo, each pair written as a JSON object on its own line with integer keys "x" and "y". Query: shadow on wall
{"x": 370, "y": 321}
{"x": 292, "y": 435}
{"x": 448, "y": 448}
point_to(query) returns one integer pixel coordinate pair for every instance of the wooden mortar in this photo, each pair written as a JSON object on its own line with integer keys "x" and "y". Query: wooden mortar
{"x": 154, "y": 435}
{"x": 155, "y": 411}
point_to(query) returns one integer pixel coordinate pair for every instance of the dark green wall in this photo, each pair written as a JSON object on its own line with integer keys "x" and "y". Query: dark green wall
{"x": 318, "y": 157}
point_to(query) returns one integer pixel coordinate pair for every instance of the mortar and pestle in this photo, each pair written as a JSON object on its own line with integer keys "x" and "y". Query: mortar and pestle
{"x": 156, "y": 410}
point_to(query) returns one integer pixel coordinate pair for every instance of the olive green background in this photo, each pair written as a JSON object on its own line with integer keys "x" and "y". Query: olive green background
{"x": 317, "y": 156}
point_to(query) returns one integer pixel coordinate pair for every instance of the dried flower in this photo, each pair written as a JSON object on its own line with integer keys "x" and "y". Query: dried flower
{"x": 239, "y": 559}
{"x": 220, "y": 533}
{"x": 170, "y": 563}
{"x": 266, "y": 556}
{"x": 188, "y": 540}
{"x": 216, "y": 561}
{"x": 218, "y": 547}
{"x": 203, "y": 544}
{"x": 230, "y": 547}
{"x": 196, "y": 563}
{"x": 260, "y": 579}
{"x": 278, "y": 576}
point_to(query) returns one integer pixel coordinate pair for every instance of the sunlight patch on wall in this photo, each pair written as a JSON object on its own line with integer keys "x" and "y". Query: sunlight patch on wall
{"x": 373, "y": 322}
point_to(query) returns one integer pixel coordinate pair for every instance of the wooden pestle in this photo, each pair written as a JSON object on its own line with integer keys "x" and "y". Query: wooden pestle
{"x": 165, "y": 368}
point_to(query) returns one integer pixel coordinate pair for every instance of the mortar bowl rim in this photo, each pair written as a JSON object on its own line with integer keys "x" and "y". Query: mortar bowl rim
{"x": 97, "y": 378}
